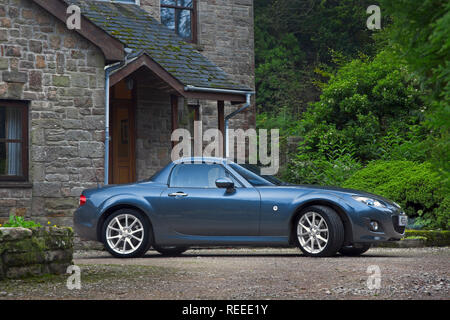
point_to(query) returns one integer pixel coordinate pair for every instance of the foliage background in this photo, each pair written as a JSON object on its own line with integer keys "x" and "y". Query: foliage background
{"x": 358, "y": 99}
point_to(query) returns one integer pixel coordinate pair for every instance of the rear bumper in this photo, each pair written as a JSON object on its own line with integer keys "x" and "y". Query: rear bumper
{"x": 85, "y": 223}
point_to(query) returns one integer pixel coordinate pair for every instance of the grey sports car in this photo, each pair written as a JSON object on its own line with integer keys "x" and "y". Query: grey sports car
{"x": 216, "y": 202}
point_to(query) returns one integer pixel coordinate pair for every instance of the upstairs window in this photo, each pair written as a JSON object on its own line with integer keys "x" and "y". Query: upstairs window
{"x": 13, "y": 141}
{"x": 180, "y": 16}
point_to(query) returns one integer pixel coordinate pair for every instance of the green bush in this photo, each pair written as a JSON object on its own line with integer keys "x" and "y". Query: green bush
{"x": 305, "y": 170}
{"x": 416, "y": 187}
{"x": 370, "y": 106}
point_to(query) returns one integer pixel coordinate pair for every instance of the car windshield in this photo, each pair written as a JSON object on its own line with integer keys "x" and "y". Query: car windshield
{"x": 253, "y": 175}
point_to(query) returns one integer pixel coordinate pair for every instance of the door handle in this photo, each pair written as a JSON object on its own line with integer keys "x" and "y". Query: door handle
{"x": 178, "y": 194}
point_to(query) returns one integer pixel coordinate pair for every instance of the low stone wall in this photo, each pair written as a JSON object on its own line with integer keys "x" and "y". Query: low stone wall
{"x": 420, "y": 238}
{"x": 36, "y": 251}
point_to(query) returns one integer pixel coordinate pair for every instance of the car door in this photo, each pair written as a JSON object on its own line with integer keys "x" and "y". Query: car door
{"x": 193, "y": 205}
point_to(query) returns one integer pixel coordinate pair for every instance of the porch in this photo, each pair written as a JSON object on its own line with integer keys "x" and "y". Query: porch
{"x": 146, "y": 104}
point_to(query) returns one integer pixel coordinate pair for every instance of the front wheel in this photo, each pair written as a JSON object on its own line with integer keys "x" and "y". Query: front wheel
{"x": 319, "y": 231}
{"x": 354, "y": 250}
{"x": 126, "y": 234}
{"x": 170, "y": 251}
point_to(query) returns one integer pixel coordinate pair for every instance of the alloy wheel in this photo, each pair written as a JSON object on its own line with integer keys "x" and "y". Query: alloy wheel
{"x": 125, "y": 234}
{"x": 312, "y": 232}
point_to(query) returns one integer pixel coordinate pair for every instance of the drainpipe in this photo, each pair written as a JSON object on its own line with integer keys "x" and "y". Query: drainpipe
{"x": 231, "y": 115}
{"x": 108, "y": 70}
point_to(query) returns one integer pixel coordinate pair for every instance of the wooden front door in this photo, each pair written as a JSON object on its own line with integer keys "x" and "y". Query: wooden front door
{"x": 123, "y": 160}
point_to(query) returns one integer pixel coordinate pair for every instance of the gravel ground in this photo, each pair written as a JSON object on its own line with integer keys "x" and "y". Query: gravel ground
{"x": 419, "y": 273}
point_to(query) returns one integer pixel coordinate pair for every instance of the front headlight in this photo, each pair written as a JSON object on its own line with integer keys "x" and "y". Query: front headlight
{"x": 369, "y": 201}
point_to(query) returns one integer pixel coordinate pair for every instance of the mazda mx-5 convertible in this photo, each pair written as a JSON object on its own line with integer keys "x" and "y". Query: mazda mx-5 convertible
{"x": 215, "y": 202}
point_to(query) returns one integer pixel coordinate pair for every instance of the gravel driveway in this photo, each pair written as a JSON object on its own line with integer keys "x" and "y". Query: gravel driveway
{"x": 419, "y": 273}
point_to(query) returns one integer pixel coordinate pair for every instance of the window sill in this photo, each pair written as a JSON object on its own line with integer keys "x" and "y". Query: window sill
{"x": 15, "y": 184}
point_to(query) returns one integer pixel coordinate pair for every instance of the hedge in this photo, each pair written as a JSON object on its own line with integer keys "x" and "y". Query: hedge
{"x": 416, "y": 187}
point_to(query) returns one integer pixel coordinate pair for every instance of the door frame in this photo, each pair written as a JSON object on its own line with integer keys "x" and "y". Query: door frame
{"x": 132, "y": 128}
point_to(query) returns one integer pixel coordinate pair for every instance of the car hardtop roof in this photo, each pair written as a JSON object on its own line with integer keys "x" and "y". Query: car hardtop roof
{"x": 203, "y": 160}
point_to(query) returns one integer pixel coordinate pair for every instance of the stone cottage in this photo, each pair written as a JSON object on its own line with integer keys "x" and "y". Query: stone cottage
{"x": 137, "y": 69}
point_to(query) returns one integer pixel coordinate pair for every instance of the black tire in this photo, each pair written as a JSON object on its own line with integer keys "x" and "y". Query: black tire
{"x": 335, "y": 231}
{"x": 170, "y": 251}
{"x": 353, "y": 251}
{"x": 143, "y": 247}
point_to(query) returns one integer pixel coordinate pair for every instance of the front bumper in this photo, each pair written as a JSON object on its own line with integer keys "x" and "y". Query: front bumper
{"x": 388, "y": 220}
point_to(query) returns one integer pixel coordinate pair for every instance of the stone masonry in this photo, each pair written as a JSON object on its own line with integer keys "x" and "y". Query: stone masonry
{"x": 226, "y": 37}
{"x": 26, "y": 252}
{"x": 153, "y": 131}
{"x": 62, "y": 76}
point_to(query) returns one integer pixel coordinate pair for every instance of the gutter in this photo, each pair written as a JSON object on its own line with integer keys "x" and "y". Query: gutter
{"x": 214, "y": 90}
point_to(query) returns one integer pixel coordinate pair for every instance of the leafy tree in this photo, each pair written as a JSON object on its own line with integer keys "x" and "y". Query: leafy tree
{"x": 322, "y": 26}
{"x": 277, "y": 77}
{"x": 296, "y": 40}
{"x": 420, "y": 32}
{"x": 366, "y": 106}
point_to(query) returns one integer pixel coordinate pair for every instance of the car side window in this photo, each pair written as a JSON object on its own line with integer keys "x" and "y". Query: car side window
{"x": 191, "y": 175}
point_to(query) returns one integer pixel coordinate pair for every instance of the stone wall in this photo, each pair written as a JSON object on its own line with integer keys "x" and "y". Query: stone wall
{"x": 152, "y": 7}
{"x": 153, "y": 131}
{"x": 26, "y": 252}
{"x": 226, "y": 37}
{"x": 62, "y": 76}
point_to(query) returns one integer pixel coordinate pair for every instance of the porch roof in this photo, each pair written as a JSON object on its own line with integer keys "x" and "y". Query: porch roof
{"x": 137, "y": 30}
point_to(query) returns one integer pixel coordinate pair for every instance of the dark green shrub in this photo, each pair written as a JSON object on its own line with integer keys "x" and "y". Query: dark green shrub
{"x": 369, "y": 104}
{"x": 416, "y": 187}
{"x": 321, "y": 171}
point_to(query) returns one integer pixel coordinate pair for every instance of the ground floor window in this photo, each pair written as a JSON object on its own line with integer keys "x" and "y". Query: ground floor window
{"x": 13, "y": 140}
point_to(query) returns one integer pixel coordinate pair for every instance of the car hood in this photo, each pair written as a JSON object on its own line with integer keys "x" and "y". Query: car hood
{"x": 338, "y": 190}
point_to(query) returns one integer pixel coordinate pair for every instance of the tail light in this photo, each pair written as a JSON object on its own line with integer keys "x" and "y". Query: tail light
{"x": 82, "y": 200}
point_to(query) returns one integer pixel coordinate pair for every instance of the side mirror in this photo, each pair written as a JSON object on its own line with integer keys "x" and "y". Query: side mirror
{"x": 225, "y": 183}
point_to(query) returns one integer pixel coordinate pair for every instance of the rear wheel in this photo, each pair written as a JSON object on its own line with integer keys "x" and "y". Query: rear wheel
{"x": 354, "y": 250}
{"x": 126, "y": 234}
{"x": 170, "y": 251}
{"x": 320, "y": 232}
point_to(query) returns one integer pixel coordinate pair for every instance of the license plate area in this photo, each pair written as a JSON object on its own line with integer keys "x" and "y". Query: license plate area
{"x": 402, "y": 220}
